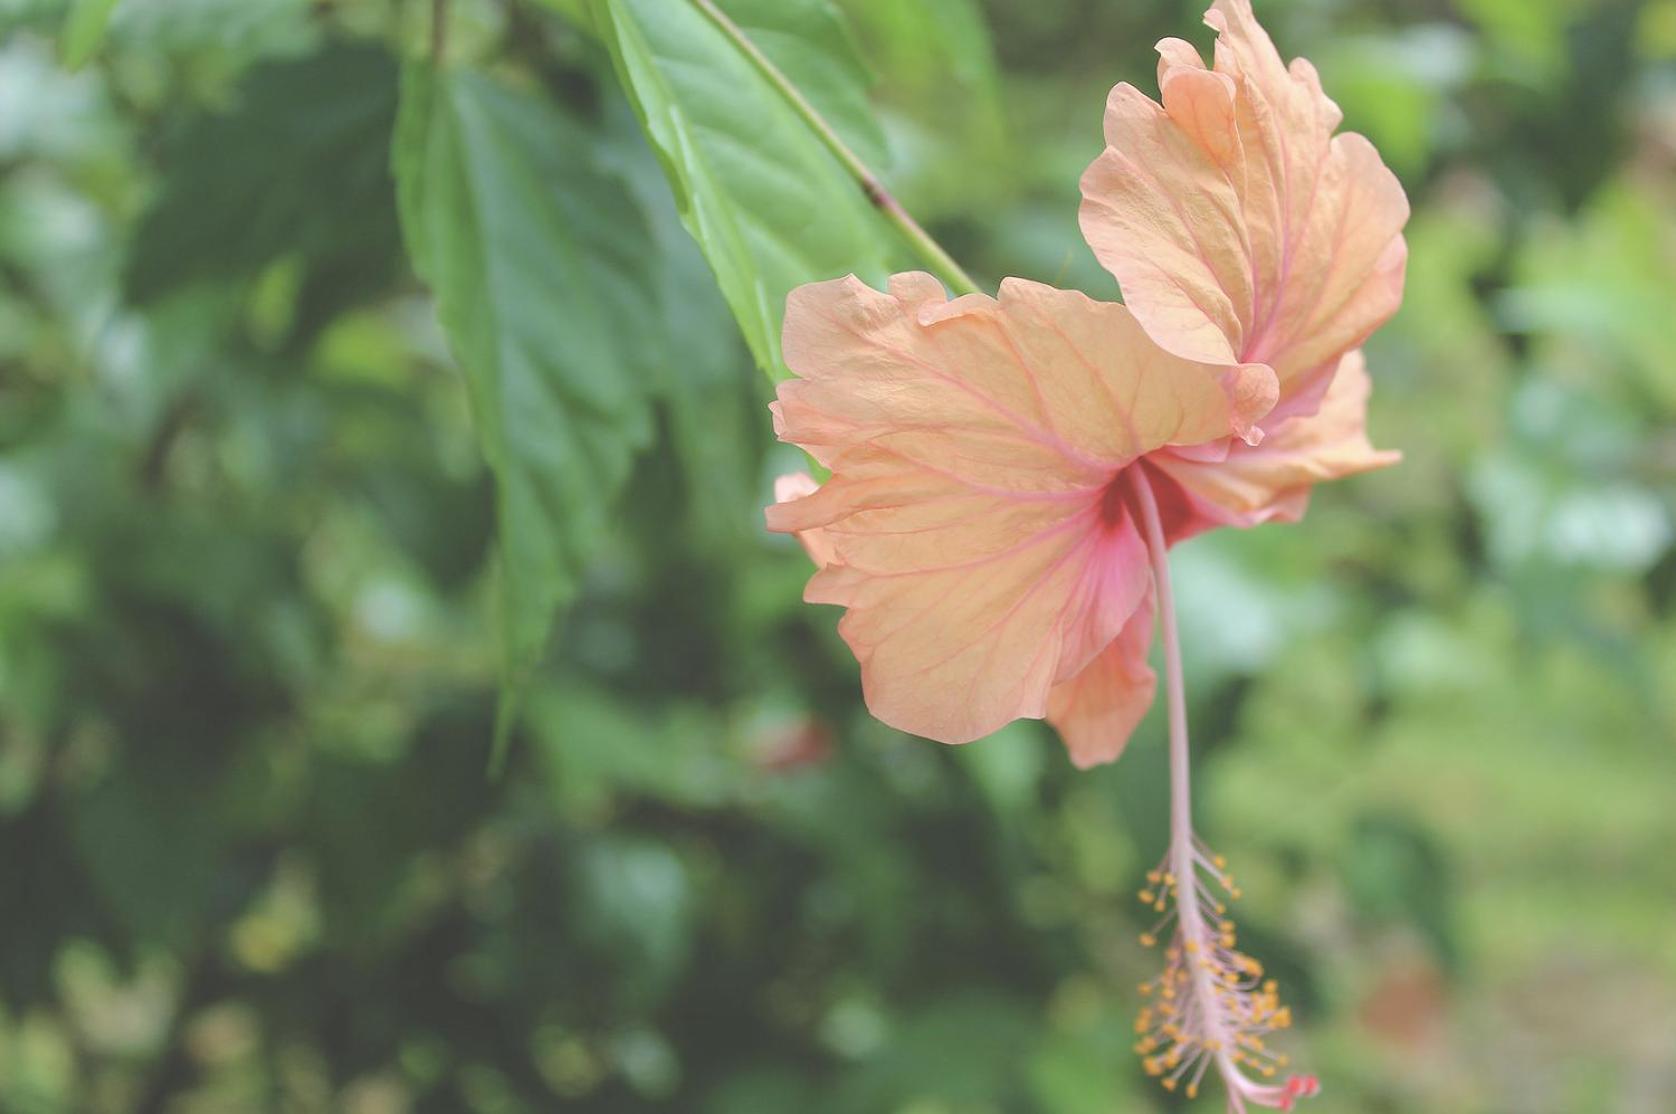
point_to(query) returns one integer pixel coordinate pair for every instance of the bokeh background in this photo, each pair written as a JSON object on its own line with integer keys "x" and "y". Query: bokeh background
{"x": 250, "y": 855}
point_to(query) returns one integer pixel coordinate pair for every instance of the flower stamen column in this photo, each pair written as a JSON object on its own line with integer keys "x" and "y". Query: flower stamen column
{"x": 1211, "y": 1006}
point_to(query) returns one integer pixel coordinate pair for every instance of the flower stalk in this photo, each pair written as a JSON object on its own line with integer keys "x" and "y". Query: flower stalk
{"x": 939, "y": 260}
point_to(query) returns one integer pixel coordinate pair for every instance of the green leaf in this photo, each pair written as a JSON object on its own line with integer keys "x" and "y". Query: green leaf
{"x": 811, "y": 43}
{"x": 538, "y": 259}
{"x": 768, "y": 203}
{"x": 712, "y": 396}
{"x": 84, "y": 27}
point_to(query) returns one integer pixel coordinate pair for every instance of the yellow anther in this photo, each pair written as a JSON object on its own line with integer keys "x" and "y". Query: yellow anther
{"x": 1148, "y": 896}
{"x": 1148, "y": 940}
{"x": 1192, "y": 1090}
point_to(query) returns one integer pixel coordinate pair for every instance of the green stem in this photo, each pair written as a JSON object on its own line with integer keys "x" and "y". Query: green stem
{"x": 930, "y": 250}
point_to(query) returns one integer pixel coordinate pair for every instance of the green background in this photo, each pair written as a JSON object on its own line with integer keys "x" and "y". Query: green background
{"x": 251, "y": 858}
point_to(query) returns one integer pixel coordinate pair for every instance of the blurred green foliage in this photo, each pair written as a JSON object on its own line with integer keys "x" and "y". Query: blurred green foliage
{"x": 250, "y": 856}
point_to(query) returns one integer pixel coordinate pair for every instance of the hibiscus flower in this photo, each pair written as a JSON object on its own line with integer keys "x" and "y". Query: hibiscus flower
{"x": 1007, "y": 474}
{"x": 991, "y": 458}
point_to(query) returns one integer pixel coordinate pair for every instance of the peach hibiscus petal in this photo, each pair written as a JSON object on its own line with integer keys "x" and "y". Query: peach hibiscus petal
{"x": 1238, "y": 225}
{"x": 979, "y": 536}
{"x": 796, "y": 485}
{"x": 1097, "y": 710}
{"x": 1271, "y": 481}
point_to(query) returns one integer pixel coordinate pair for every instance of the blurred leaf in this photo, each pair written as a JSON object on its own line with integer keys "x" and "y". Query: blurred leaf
{"x": 770, "y": 206}
{"x": 634, "y": 904}
{"x": 84, "y": 26}
{"x": 538, "y": 259}
{"x": 366, "y": 824}
{"x": 1561, "y": 491}
{"x": 1394, "y": 870}
{"x": 595, "y": 748}
{"x": 1399, "y": 88}
{"x": 222, "y": 35}
{"x": 575, "y": 11}
{"x": 1531, "y": 514}
{"x": 960, "y": 1052}
{"x": 768, "y": 1090}
{"x": 151, "y": 839}
{"x": 1603, "y": 282}
{"x": 298, "y": 166}
{"x": 1531, "y": 31}
{"x": 923, "y": 45}
{"x": 1072, "y": 1072}
{"x": 1007, "y": 766}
